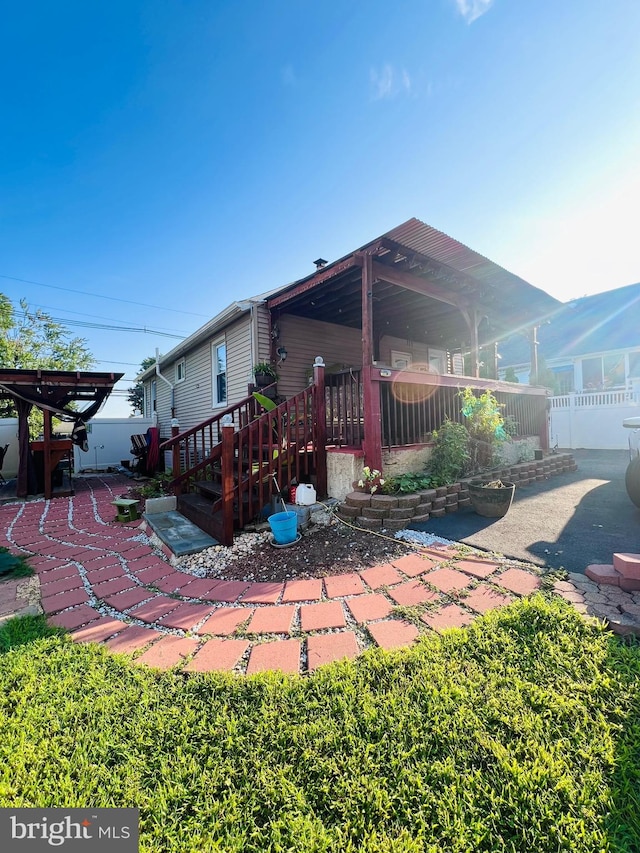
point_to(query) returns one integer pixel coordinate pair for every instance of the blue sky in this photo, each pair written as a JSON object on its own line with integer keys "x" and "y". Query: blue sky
{"x": 185, "y": 153}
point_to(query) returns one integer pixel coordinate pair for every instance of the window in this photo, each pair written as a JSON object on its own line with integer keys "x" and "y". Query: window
{"x": 634, "y": 364}
{"x": 219, "y": 358}
{"x": 603, "y": 372}
{"x": 400, "y": 360}
{"x": 180, "y": 370}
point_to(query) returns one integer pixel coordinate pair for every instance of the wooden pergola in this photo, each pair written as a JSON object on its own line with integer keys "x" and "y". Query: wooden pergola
{"x": 54, "y": 392}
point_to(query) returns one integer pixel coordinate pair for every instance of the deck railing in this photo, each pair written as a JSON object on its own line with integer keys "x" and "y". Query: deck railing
{"x": 252, "y": 461}
{"x": 412, "y": 405}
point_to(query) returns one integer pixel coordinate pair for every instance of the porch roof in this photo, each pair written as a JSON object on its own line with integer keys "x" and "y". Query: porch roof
{"x": 57, "y": 388}
{"x": 451, "y": 276}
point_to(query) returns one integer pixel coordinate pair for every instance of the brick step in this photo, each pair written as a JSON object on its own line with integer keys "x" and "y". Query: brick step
{"x": 607, "y": 574}
{"x": 628, "y": 565}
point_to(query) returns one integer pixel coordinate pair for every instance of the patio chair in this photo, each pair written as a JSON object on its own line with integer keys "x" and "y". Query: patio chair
{"x": 3, "y": 453}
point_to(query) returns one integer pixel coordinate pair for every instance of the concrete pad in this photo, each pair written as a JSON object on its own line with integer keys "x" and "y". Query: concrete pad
{"x": 179, "y": 534}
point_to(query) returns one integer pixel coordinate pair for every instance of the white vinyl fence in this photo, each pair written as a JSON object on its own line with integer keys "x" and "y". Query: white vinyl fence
{"x": 109, "y": 443}
{"x": 592, "y": 419}
{"x": 9, "y": 435}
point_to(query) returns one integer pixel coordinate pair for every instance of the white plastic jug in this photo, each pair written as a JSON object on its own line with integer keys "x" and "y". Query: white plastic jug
{"x": 305, "y": 494}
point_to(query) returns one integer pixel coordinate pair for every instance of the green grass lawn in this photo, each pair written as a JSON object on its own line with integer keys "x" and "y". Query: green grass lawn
{"x": 519, "y": 733}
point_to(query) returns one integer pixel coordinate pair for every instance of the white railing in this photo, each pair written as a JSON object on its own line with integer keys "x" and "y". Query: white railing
{"x": 593, "y": 399}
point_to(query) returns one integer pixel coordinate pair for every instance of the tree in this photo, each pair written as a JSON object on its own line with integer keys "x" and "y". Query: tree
{"x": 33, "y": 340}
{"x": 510, "y": 375}
{"x": 135, "y": 395}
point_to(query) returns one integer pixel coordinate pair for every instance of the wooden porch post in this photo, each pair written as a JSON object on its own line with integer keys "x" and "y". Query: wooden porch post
{"x": 48, "y": 473}
{"x": 475, "y": 348}
{"x": 471, "y": 319}
{"x": 320, "y": 428}
{"x": 227, "y": 484}
{"x": 372, "y": 442}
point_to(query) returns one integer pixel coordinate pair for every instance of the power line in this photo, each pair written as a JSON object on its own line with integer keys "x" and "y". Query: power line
{"x": 104, "y": 327}
{"x": 101, "y": 296}
{"x": 81, "y": 314}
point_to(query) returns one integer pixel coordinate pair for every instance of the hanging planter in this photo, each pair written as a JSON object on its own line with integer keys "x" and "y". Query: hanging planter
{"x": 491, "y": 499}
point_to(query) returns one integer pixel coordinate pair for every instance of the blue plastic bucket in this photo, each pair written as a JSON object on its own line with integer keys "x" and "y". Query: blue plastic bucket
{"x": 284, "y": 526}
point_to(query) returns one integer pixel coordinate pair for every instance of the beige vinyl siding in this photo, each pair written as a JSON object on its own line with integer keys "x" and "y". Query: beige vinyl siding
{"x": 304, "y": 340}
{"x": 239, "y": 359}
{"x": 262, "y": 325}
{"x": 194, "y": 397}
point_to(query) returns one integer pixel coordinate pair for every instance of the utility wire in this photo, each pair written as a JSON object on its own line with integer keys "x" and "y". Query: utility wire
{"x": 101, "y": 296}
{"x": 80, "y": 314}
{"x": 87, "y": 325}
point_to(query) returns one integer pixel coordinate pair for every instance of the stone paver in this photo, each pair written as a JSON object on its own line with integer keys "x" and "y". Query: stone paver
{"x": 93, "y": 562}
{"x": 122, "y": 601}
{"x": 63, "y": 600}
{"x": 448, "y": 616}
{"x": 447, "y": 580}
{"x": 367, "y": 608}
{"x": 518, "y": 581}
{"x": 415, "y": 564}
{"x": 393, "y": 633}
{"x": 326, "y": 614}
{"x": 75, "y": 617}
{"x": 168, "y": 651}
{"x": 99, "y": 630}
{"x": 228, "y": 591}
{"x": 485, "y": 598}
{"x": 412, "y": 592}
{"x": 217, "y": 655}
{"x": 326, "y": 648}
{"x": 338, "y": 586}
{"x": 225, "y": 620}
{"x": 186, "y": 616}
{"x": 262, "y": 593}
{"x": 272, "y": 620}
{"x": 477, "y": 568}
{"x": 154, "y": 609}
{"x": 302, "y": 590}
{"x": 379, "y": 576}
{"x": 132, "y": 638}
{"x": 283, "y": 655}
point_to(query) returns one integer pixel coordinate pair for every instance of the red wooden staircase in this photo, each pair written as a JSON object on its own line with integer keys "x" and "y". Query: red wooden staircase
{"x": 226, "y": 469}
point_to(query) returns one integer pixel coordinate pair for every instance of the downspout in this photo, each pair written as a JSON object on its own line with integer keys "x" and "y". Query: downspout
{"x": 164, "y": 379}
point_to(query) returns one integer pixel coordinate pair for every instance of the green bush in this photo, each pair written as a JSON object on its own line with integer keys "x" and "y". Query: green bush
{"x": 485, "y": 425}
{"x": 406, "y": 483}
{"x": 450, "y": 456}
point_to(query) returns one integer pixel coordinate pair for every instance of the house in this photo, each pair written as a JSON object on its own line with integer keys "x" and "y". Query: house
{"x": 395, "y": 328}
{"x": 589, "y": 354}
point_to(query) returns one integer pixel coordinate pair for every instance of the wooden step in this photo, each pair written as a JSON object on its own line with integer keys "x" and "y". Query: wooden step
{"x": 203, "y": 513}
{"x": 209, "y": 489}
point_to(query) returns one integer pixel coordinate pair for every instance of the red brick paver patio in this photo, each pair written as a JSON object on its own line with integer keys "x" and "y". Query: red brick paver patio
{"x": 105, "y": 582}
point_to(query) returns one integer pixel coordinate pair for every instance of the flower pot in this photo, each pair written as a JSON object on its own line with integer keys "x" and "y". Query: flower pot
{"x": 491, "y": 502}
{"x": 263, "y": 379}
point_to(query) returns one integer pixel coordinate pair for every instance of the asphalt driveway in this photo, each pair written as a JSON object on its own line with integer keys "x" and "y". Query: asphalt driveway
{"x": 568, "y": 521}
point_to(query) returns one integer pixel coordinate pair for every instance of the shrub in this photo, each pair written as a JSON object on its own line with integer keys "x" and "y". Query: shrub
{"x": 450, "y": 455}
{"x": 485, "y": 425}
{"x": 405, "y": 483}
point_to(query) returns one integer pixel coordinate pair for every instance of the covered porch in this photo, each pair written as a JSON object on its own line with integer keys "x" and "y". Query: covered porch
{"x": 430, "y": 313}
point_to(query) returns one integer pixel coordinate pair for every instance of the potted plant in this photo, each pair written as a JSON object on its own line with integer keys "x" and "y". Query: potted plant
{"x": 492, "y": 498}
{"x": 264, "y": 374}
